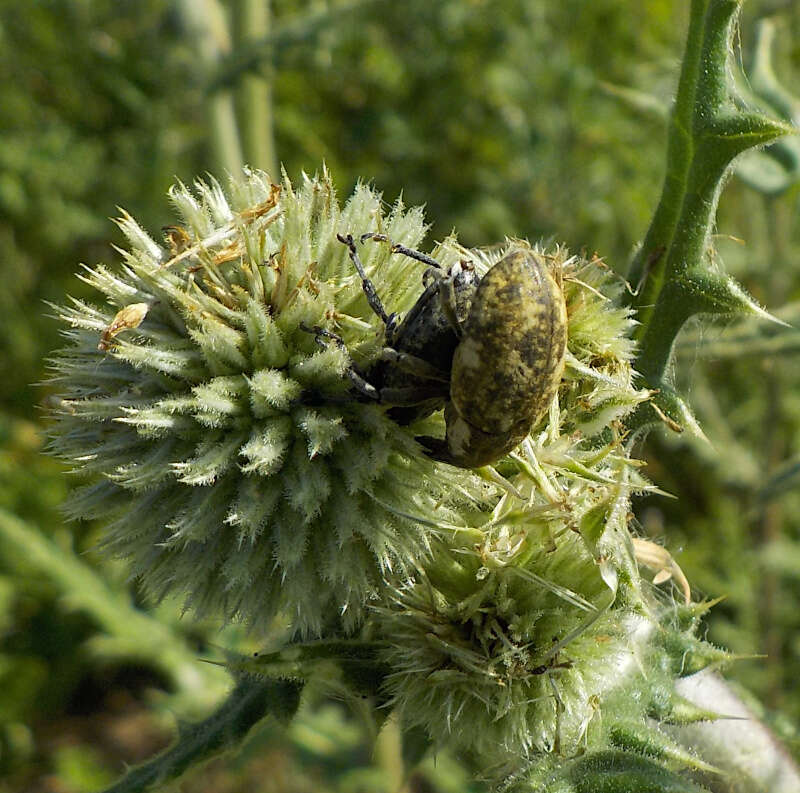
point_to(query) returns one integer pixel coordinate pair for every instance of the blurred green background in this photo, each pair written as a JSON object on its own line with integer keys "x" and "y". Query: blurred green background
{"x": 504, "y": 117}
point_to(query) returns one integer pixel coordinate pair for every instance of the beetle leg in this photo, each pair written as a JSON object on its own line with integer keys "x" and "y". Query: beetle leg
{"x": 412, "y": 364}
{"x": 411, "y": 314}
{"x": 436, "y": 449}
{"x": 363, "y": 386}
{"x": 467, "y": 446}
{"x": 397, "y": 248}
{"x": 412, "y": 395}
{"x": 447, "y": 294}
{"x": 366, "y": 284}
{"x": 360, "y": 383}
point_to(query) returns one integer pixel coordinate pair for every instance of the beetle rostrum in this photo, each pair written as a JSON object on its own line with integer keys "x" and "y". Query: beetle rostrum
{"x": 489, "y": 350}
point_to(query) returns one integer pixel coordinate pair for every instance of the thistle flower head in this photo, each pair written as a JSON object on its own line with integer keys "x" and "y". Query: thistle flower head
{"x": 210, "y": 397}
{"x": 233, "y": 465}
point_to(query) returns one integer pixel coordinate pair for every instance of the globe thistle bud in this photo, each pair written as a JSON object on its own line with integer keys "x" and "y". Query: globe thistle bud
{"x": 231, "y": 462}
{"x": 511, "y": 638}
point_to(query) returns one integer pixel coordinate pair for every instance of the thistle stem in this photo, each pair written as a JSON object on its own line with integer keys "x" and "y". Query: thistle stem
{"x": 254, "y": 22}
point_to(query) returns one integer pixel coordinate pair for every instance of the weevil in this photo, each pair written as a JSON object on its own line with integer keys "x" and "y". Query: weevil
{"x": 489, "y": 350}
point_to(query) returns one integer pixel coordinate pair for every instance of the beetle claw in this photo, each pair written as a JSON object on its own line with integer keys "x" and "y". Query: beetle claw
{"x": 435, "y": 448}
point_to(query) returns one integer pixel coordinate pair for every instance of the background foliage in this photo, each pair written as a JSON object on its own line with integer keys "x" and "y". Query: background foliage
{"x": 520, "y": 117}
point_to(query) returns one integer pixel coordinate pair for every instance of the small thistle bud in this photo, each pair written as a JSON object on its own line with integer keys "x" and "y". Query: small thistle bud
{"x": 510, "y": 641}
{"x": 234, "y": 465}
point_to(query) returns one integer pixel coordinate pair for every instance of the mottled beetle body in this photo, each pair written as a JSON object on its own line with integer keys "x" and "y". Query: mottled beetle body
{"x": 508, "y": 365}
{"x": 489, "y": 350}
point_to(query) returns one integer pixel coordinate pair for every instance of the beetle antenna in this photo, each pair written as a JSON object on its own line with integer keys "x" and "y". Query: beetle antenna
{"x": 366, "y": 284}
{"x": 398, "y": 248}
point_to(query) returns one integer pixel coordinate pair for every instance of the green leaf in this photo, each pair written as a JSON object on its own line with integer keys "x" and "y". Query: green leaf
{"x": 249, "y": 702}
{"x": 624, "y": 772}
{"x": 682, "y": 711}
{"x": 649, "y": 741}
{"x": 732, "y": 134}
{"x": 717, "y": 293}
{"x": 667, "y": 407}
{"x": 355, "y": 661}
{"x": 777, "y": 168}
{"x": 130, "y": 632}
{"x": 593, "y": 524}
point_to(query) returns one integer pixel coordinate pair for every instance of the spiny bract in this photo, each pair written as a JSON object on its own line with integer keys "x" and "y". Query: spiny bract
{"x": 233, "y": 465}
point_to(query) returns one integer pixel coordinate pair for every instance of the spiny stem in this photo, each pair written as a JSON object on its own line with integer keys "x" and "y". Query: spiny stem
{"x": 707, "y": 132}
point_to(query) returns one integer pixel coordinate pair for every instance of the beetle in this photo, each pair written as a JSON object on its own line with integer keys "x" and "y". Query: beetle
{"x": 489, "y": 350}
